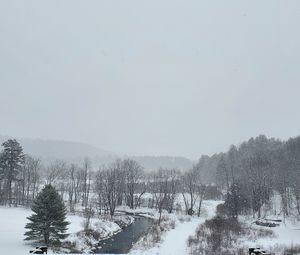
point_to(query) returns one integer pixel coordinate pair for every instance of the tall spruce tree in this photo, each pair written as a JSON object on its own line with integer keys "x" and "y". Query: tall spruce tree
{"x": 48, "y": 223}
{"x": 12, "y": 160}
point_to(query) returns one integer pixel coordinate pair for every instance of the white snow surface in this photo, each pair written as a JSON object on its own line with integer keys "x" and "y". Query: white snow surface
{"x": 12, "y": 223}
{"x": 175, "y": 240}
{"x": 287, "y": 234}
{"x": 13, "y": 220}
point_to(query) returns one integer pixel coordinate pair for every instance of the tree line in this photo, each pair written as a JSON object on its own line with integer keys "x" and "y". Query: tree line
{"x": 247, "y": 176}
{"x": 253, "y": 172}
{"x": 102, "y": 190}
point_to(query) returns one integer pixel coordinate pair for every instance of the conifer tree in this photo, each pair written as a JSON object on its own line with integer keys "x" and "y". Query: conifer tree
{"x": 12, "y": 160}
{"x": 48, "y": 222}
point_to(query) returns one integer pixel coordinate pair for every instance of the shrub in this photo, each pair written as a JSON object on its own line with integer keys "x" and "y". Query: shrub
{"x": 293, "y": 250}
{"x": 216, "y": 236}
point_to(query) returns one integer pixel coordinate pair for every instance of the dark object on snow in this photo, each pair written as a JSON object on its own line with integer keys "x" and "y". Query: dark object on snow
{"x": 39, "y": 250}
{"x": 257, "y": 251}
{"x": 36, "y": 251}
{"x": 266, "y": 223}
{"x": 43, "y": 248}
{"x": 274, "y": 220}
{"x": 190, "y": 211}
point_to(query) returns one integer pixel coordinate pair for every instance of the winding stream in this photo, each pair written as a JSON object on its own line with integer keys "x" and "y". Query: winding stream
{"x": 122, "y": 242}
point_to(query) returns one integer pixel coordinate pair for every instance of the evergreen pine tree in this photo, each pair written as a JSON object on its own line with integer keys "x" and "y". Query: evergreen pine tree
{"x": 48, "y": 223}
{"x": 12, "y": 160}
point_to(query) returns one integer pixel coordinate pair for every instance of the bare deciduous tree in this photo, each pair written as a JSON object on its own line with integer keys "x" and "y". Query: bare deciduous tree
{"x": 55, "y": 172}
{"x": 86, "y": 181}
{"x": 30, "y": 176}
{"x": 112, "y": 179}
{"x": 189, "y": 190}
{"x": 133, "y": 178}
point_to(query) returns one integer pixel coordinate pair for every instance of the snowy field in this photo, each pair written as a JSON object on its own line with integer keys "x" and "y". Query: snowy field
{"x": 13, "y": 220}
{"x": 285, "y": 235}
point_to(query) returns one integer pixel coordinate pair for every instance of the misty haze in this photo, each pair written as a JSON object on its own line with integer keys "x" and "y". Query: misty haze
{"x": 150, "y": 127}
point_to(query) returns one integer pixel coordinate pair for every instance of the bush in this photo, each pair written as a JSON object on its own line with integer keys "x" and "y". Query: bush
{"x": 216, "y": 236}
{"x": 225, "y": 236}
{"x": 224, "y": 225}
{"x": 294, "y": 250}
{"x": 222, "y": 210}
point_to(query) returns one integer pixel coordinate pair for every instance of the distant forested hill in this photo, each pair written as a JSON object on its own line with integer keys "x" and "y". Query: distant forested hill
{"x": 49, "y": 150}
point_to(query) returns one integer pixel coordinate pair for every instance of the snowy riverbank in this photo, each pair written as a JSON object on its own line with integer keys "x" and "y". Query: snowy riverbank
{"x": 174, "y": 241}
{"x": 13, "y": 220}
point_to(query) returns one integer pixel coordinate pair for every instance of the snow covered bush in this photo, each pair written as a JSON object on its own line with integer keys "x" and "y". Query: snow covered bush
{"x": 217, "y": 236}
{"x": 225, "y": 236}
{"x": 293, "y": 250}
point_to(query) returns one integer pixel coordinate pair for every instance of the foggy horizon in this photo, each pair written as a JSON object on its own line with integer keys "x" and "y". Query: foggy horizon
{"x": 127, "y": 78}
{"x": 124, "y": 154}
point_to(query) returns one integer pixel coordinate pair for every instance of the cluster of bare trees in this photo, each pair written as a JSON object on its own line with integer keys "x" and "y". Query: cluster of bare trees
{"x": 123, "y": 182}
{"x": 30, "y": 175}
{"x": 163, "y": 185}
{"x": 73, "y": 181}
{"x": 169, "y": 187}
{"x": 257, "y": 170}
{"x": 193, "y": 191}
{"x": 119, "y": 183}
{"x": 249, "y": 175}
{"x": 19, "y": 175}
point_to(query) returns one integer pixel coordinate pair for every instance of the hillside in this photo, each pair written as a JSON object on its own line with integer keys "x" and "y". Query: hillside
{"x": 49, "y": 150}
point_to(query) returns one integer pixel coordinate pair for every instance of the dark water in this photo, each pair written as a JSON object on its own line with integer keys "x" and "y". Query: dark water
{"x": 123, "y": 241}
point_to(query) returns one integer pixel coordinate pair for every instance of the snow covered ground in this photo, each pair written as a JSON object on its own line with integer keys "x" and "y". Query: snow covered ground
{"x": 175, "y": 240}
{"x": 13, "y": 220}
{"x": 286, "y": 235}
{"x": 12, "y": 223}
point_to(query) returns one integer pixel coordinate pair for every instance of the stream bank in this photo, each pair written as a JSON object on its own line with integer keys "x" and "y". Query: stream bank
{"x": 123, "y": 241}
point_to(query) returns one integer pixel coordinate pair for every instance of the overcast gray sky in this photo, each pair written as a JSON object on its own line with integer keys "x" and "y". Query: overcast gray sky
{"x": 150, "y": 77}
